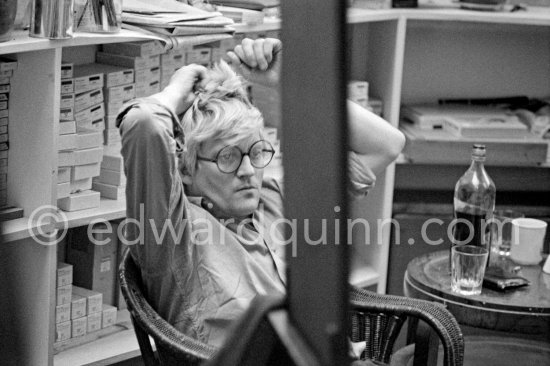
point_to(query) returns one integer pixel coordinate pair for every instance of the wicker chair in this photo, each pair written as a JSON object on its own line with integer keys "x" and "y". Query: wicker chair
{"x": 376, "y": 319}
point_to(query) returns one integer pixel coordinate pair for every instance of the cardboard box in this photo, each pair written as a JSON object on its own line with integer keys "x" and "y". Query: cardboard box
{"x": 64, "y": 174}
{"x": 109, "y": 191}
{"x": 79, "y": 327}
{"x": 109, "y": 315}
{"x": 63, "y": 331}
{"x": 66, "y": 127}
{"x": 142, "y": 48}
{"x": 65, "y": 158}
{"x": 63, "y": 190}
{"x": 79, "y": 172}
{"x": 6, "y": 73}
{"x": 112, "y": 109}
{"x": 79, "y": 201}
{"x": 86, "y": 116}
{"x": 358, "y": 91}
{"x": 199, "y": 55}
{"x": 87, "y": 77}
{"x": 66, "y": 114}
{"x": 78, "y": 306}
{"x": 121, "y": 93}
{"x": 88, "y": 156}
{"x": 111, "y": 136}
{"x": 63, "y": 294}
{"x": 146, "y": 76}
{"x": 112, "y": 160}
{"x": 94, "y": 258}
{"x": 94, "y": 299}
{"x": 86, "y": 139}
{"x": 94, "y": 322}
{"x": 67, "y": 86}
{"x": 110, "y": 122}
{"x": 80, "y": 185}
{"x": 113, "y": 177}
{"x": 66, "y": 142}
{"x": 7, "y": 64}
{"x": 172, "y": 60}
{"x": 88, "y": 99}
{"x": 147, "y": 89}
{"x": 67, "y": 69}
{"x": 112, "y": 75}
{"x": 64, "y": 274}
{"x": 62, "y": 313}
{"x": 136, "y": 63}
{"x": 66, "y": 101}
{"x": 91, "y": 124}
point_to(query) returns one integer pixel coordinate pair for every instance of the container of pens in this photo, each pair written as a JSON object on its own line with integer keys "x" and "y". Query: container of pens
{"x": 97, "y": 16}
{"x": 51, "y": 19}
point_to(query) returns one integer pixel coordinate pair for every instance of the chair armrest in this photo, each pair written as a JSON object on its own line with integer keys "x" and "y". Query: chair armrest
{"x": 144, "y": 317}
{"x": 434, "y": 314}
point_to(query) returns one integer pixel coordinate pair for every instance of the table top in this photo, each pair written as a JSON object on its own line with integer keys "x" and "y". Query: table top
{"x": 525, "y": 309}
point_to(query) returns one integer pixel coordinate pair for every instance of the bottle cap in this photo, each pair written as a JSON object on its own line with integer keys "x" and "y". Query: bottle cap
{"x": 478, "y": 151}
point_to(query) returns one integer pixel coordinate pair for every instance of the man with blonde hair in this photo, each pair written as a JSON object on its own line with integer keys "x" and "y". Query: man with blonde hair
{"x": 193, "y": 157}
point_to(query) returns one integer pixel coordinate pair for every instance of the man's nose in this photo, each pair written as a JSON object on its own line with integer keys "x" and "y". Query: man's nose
{"x": 246, "y": 168}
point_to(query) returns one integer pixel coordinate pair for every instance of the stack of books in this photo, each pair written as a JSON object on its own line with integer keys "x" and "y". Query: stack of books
{"x": 7, "y": 69}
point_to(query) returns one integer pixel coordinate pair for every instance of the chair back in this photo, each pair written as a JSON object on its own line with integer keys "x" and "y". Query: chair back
{"x": 172, "y": 346}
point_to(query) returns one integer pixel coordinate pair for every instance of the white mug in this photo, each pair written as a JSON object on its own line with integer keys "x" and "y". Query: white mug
{"x": 527, "y": 239}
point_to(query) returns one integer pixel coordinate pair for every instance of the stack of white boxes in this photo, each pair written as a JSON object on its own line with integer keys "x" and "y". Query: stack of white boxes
{"x": 7, "y": 68}
{"x": 64, "y": 280}
{"x": 81, "y": 126}
{"x": 86, "y": 307}
{"x": 119, "y": 89}
{"x": 78, "y": 311}
{"x": 143, "y": 57}
{"x": 200, "y": 55}
{"x": 358, "y": 92}
{"x": 111, "y": 181}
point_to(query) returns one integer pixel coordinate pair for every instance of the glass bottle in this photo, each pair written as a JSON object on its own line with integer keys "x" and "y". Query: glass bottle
{"x": 474, "y": 203}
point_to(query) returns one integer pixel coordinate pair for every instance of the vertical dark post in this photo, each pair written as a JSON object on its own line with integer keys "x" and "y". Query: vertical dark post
{"x": 315, "y": 161}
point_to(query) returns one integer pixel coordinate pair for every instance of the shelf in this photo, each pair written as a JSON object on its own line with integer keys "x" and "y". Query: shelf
{"x": 104, "y": 347}
{"x": 440, "y": 147}
{"x": 450, "y": 11}
{"x": 107, "y": 210}
{"x": 22, "y": 228}
{"x": 533, "y": 16}
{"x": 23, "y": 43}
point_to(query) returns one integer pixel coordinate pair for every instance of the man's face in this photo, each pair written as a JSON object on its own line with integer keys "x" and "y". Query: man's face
{"x": 233, "y": 195}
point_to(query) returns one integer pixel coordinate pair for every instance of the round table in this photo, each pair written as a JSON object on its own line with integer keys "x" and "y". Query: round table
{"x": 521, "y": 310}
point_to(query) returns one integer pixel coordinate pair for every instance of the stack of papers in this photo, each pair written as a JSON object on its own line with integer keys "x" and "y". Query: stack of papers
{"x": 465, "y": 120}
{"x": 175, "y": 23}
{"x": 247, "y": 4}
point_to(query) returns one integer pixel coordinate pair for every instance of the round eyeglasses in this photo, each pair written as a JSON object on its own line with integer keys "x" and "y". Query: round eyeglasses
{"x": 230, "y": 158}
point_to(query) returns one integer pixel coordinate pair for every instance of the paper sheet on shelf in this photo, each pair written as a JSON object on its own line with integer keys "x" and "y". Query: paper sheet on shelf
{"x": 170, "y": 9}
{"x": 175, "y": 42}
